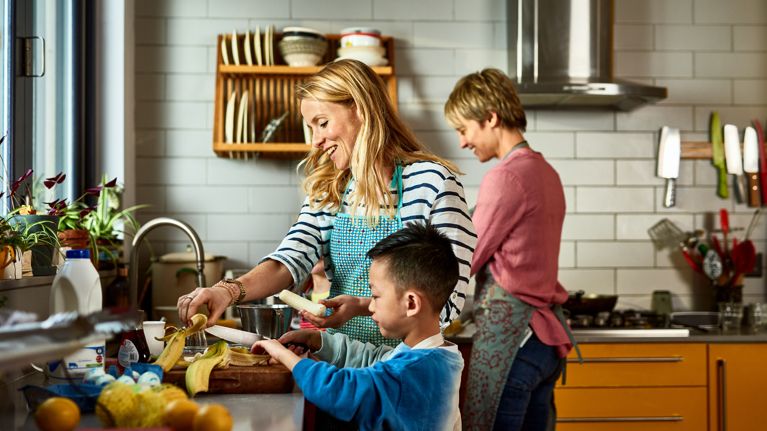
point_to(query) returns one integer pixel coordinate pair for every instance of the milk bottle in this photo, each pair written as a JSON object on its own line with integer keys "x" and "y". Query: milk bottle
{"x": 77, "y": 287}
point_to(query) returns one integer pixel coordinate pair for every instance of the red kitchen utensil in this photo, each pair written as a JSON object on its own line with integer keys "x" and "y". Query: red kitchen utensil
{"x": 691, "y": 262}
{"x": 717, "y": 246}
{"x": 724, "y": 221}
{"x": 762, "y": 160}
{"x": 743, "y": 258}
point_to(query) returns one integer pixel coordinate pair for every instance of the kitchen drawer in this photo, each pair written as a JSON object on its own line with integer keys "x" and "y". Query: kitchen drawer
{"x": 637, "y": 365}
{"x": 630, "y": 409}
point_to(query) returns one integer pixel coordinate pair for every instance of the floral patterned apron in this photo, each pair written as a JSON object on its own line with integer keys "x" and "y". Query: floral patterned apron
{"x": 350, "y": 240}
{"x": 502, "y": 321}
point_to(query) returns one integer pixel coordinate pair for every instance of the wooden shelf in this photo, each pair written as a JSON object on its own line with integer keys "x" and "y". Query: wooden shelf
{"x": 222, "y": 149}
{"x": 271, "y": 93}
{"x": 286, "y": 70}
{"x": 698, "y": 150}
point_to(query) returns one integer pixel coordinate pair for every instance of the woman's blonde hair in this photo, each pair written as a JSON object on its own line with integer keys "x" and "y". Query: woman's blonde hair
{"x": 382, "y": 141}
{"x": 478, "y": 94}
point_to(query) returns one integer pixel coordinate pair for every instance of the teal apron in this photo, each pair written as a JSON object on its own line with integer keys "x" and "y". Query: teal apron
{"x": 502, "y": 321}
{"x": 350, "y": 240}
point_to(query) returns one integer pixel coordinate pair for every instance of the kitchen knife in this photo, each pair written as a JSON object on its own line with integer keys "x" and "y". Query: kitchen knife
{"x": 762, "y": 160}
{"x": 717, "y": 156}
{"x": 734, "y": 160}
{"x": 751, "y": 166}
{"x": 234, "y": 335}
{"x": 669, "y": 153}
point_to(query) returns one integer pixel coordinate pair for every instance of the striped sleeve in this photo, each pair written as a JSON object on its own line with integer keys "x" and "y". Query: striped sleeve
{"x": 304, "y": 243}
{"x": 431, "y": 192}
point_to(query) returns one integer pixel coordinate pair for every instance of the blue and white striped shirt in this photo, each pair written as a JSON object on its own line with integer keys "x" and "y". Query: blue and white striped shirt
{"x": 430, "y": 192}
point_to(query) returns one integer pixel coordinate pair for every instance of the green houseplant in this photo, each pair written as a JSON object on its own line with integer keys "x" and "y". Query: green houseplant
{"x": 100, "y": 226}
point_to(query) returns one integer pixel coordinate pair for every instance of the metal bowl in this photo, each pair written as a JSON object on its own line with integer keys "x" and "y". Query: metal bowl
{"x": 268, "y": 320}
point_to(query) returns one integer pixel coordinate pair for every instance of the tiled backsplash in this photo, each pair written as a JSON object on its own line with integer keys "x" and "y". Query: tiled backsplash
{"x": 710, "y": 54}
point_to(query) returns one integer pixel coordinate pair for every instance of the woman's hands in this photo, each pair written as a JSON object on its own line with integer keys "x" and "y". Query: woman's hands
{"x": 344, "y": 308}
{"x": 217, "y": 299}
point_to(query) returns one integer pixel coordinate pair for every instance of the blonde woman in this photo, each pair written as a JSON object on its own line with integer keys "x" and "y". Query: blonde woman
{"x": 366, "y": 177}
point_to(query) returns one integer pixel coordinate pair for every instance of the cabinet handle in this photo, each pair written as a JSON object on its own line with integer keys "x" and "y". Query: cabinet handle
{"x": 629, "y": 359}
{"x": 721, "y": 395}
{"x": 625, "y": 419}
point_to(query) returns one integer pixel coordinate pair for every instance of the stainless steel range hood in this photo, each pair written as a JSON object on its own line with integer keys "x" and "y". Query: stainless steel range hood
{"x": 561, "y": 56}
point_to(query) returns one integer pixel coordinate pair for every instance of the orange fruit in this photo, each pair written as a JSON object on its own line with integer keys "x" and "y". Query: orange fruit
{"x": 179, "y": 414}
{"x": 57, "y": 414}
{"x": 213, "y": 417}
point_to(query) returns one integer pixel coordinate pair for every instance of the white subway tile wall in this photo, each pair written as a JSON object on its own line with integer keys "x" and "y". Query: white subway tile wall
{"x": 710, "y": 55}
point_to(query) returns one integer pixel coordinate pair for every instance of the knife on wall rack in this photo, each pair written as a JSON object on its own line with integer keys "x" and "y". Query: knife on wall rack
{"x": 717, "y": 156}
{"x": 751, "y": 167}
{"x": 734, "y": 161}
{"x": 762, "y": 160}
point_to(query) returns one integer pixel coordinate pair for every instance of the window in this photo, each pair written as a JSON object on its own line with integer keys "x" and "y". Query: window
{"x": 45, "y": 96}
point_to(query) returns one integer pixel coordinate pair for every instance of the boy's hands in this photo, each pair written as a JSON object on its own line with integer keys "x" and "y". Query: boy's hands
{"x": 296, "y": 340}
{"x": 344, "y": 308}
{"x": 277, "y": 351}
{"x": 289, "y": 346}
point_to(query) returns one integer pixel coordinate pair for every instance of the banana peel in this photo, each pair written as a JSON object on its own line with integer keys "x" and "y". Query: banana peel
{"x": 241, "y": 357}
{"x": 176, "y": 340}
{"x": 198, "y": 374}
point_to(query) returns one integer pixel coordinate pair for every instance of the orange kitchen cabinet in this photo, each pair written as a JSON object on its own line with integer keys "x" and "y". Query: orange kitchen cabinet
{"x": 635, "y": 386}
{"x": 737, "y": 380}
{"x": 631, "y": 408}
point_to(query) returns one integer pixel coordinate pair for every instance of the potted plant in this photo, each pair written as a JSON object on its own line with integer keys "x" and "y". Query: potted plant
{"x": 99, "y": 226}
{"x": 36, "y": 229}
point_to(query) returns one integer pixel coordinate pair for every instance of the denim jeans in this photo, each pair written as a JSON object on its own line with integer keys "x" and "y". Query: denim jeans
{"x": 527, "y": 399}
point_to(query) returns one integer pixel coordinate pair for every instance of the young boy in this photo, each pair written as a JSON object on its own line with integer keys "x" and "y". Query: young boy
{"x": 411, "y": 387}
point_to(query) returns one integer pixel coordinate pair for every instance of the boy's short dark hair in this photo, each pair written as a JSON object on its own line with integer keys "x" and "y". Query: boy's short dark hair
{"x": 420, "y": 257}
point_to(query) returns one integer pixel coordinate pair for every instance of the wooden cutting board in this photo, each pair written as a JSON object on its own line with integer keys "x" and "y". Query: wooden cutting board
{"x": 263, "y": 379}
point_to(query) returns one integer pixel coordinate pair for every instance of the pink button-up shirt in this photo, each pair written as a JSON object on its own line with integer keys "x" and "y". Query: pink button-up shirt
{"x": 518, "y": 218}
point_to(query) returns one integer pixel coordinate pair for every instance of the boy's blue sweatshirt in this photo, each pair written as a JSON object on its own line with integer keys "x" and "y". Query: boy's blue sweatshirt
{"x": 381, "y": 387}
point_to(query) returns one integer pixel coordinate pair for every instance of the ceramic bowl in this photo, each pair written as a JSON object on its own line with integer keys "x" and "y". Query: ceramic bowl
{"x": 303, "y": 51}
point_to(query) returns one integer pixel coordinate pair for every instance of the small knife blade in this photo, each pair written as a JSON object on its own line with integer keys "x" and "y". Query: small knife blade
{"x": 734, "y": 160}
{"x": 669, "y": 154}
{"x": 751, "y": 166}
{"x": 717, "y": 156}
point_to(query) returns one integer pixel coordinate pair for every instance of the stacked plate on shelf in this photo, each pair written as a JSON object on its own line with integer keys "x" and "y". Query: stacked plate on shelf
{"x": 363, "y": 44}
{"x": 253, "y": 50}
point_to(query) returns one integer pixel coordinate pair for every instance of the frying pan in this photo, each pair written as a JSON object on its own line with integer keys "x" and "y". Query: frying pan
{"x": 581, "y": 302}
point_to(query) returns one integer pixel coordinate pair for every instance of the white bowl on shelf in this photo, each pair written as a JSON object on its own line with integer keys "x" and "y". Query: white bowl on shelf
{"x": 373, "y": 56}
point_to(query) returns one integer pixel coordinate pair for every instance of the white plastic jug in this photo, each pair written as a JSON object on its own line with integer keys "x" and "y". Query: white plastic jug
{"x": 77, "y": 287}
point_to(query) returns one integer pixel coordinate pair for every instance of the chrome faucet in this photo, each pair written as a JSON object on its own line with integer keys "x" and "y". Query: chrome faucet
{"x": 142, "y": 232}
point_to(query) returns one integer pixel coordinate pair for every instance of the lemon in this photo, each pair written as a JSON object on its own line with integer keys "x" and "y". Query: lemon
{"x": 213, "y": 417}
{"x": 179, "y": 414}
{"x": 57, "y": 414}
{"x": 116, "y": 404}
